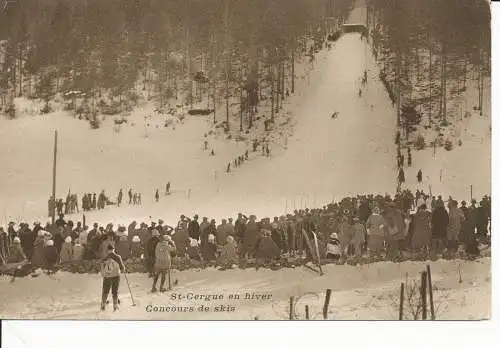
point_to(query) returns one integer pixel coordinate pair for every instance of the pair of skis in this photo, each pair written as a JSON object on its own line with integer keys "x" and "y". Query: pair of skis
{"x": 314, "y": 251}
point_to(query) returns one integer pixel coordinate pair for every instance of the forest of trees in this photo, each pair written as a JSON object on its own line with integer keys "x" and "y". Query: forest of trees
{"x": 213, "y": 50}
{"x": 429, "y": 50}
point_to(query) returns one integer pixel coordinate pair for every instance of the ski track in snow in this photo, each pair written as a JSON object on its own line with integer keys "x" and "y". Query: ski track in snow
{"x": 325, "y": 158}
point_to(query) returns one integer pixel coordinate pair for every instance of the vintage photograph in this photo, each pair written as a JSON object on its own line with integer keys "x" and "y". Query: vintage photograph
{"x": 245, "y": 159}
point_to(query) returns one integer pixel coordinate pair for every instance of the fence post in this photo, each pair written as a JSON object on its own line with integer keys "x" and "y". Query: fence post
{"x": 307, "y": 312}
{"x": 401, "y": 301}
{"x": 327, "y": 303}
{"x": 423, "y": 295}
{"x": 291, "y": 308}
{"x": 431, "y": 298}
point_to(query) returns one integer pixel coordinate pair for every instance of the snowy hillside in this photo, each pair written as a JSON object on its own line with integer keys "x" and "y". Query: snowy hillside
{"x": 323, "y": 159}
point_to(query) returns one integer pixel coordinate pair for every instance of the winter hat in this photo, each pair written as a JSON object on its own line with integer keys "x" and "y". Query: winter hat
{"x": 167, "y": 238}
{"x": 193, "y": 242}
{"x": 211, "y": 239}
{"x": 50, "y": 242}
{"x": 111, "y": 247}
{"x": 68, "y": 239}
{"x": 334, "y": 235}
{"x": 41, "y": 233}
{"x": 17, "y": 240}
{"x": 136, "y": 239}
{"x": 155, "y": 233}
{"x": 230, "y": 239}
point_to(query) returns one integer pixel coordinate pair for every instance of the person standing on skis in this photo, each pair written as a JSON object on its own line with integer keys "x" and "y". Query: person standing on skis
{"x": 163, "y": 262}
{"x": 111, "y": 268}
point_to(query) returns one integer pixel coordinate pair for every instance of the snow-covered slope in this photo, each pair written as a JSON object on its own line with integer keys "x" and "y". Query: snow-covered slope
{"x": 325, "y": 158}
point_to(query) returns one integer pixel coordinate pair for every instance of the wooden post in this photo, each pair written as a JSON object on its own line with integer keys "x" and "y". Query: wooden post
{"x": 291, "y": 308}
{"x": 307, "y": 312}
{"x": 401, "y": 301}
{"x": 327, "y": 303}
{"x": 431, "y": 298}
{"x": 423, "y": 295}
{"x": 54, "y": 180}
{"x": 471, "y": 192}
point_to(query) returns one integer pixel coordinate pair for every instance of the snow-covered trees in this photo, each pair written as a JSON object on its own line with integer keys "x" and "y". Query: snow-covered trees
{"x": 240, "y": 48}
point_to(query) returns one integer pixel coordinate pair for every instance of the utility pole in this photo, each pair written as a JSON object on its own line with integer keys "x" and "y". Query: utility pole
{"x": 54, "y": 180}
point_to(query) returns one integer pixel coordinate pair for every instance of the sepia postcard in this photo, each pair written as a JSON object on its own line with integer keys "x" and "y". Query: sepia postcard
{"x": 245, "y": 159}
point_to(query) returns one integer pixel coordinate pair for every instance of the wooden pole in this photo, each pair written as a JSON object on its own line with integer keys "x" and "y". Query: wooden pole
{"x": 423, "y": 295}
{"x": 471, "y": 192}
{"x": 307, "y": 312}
{"x": 327, "y": 303}
{"x": 431, "y": 298}
{"x": 291, "y": 308}
{"x": 401, "y": 301}
{"x": 54, "y": 180}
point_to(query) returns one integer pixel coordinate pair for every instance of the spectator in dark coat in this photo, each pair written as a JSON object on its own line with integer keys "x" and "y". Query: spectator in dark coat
{"x": 50, "y": 255}
{"x": 150, "y": 251}
{"x": 421, "y": 229}
{"x": 439, "y": 227}
{"x": 194, "y": 228}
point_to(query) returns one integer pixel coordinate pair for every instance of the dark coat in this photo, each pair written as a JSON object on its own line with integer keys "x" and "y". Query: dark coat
{"x": 50, "y": 256}
{"x": 421, "y": 229}
{"x": 194, "y": 229}
{"x": 439, "y": 222}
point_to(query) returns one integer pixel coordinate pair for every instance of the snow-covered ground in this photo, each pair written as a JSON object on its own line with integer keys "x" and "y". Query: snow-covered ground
{"x": 320, "y": 159}
{"x": 324, "y": 158}
{"x": 369, "y": 292}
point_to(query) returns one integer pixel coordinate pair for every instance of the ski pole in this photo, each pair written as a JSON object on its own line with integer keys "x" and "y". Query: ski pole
{"x": 130, "y": 290}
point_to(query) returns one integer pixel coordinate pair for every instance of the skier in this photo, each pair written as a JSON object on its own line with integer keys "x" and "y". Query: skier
{"x": 167, "y": 188}
{"x": 419, "y": 176}
{"x": 130, "y": 196}
{"x": 401, "y": 176}
{"x": 246, "y": 155}
{"x": 228, "y": 169}
{"x": 111, "y": 268}
{"x": 212, "y": 153}
{"x": 162, "y": 262}
{"x": 254, "y": 145}
{"x": 206, "y": 145}
{"x": 334, "y": 115}
{"x": 268, "y": 152}
{"x": 359, "y": 93}
{"x": 157, "y": 195}
{"x": 120, "y": 197}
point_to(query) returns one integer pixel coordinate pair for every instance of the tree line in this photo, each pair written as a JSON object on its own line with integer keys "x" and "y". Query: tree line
{"x": 214, "y": 50}
{"x": 429, "y": 50}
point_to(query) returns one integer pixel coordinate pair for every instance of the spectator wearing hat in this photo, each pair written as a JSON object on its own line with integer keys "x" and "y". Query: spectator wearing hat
{"x": 66, "y": 254}
{"x": 50, "y": 256}
{"x": 16, "y": 252}
{"x": 11, "y": 231}
{"x": 123, "y": 246}
{"x": 375, "y": 227}
{"x": 150, "y": 252}
{"x": 38, "y": 251}
{"x": 136, "y": 248}
{"x": 209, "y": 249}
{"x": 4, "y": 246}
{"x": 194, "y": 228}
{"x": 78, "y": 249}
